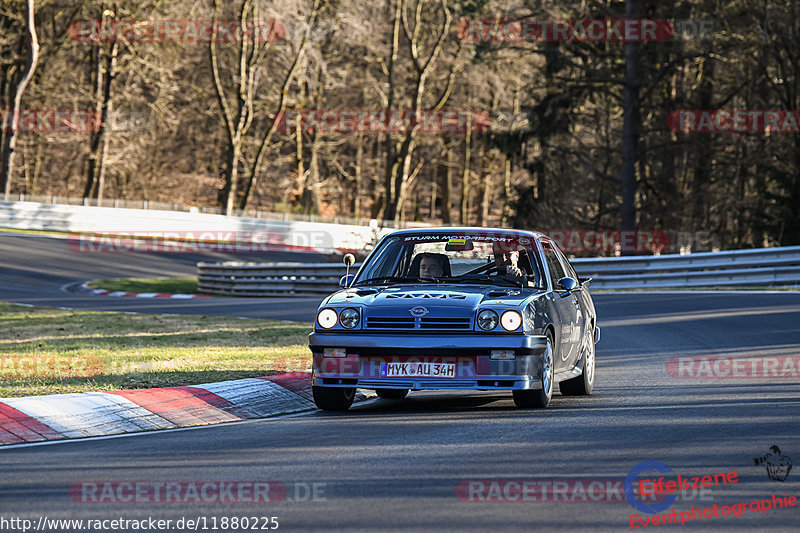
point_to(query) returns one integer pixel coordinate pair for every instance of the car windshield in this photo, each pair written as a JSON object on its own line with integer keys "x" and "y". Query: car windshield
{"x": 454, "y": 258}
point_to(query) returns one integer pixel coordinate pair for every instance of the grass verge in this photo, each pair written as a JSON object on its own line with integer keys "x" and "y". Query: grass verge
{"x": 48, "y": 351}
{"x": 162, "y": 285}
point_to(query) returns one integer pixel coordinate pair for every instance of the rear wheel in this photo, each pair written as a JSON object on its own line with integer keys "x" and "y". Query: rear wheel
{"x": 541, "y": 397}
{"x": 392, "y": 394}
{"x": 334, "y": 398}
{"x": 582, "y": 385}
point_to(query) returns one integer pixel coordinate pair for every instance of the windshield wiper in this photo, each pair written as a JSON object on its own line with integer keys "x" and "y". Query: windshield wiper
{"x": 395, "y": 279}
{"x": 516, "y": 281}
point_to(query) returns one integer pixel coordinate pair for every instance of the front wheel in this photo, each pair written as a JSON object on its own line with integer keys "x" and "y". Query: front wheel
{"x": 392, "y": 394}
{"x": 539, "y": 398}
{"x": 333, "y": 398}
{"x": 582, "y": 385}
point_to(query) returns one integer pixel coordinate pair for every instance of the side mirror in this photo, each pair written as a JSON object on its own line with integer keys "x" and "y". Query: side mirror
{"x": 567, "y": 284}
{"x": 348, "y": 278}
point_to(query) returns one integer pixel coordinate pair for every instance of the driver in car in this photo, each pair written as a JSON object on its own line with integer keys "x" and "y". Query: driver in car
{"x": 430, "y": 267}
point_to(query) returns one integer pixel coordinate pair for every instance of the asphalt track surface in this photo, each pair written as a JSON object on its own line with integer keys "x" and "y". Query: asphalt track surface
{"x": 41, "y": 270}
{"x": 396, "y": 465}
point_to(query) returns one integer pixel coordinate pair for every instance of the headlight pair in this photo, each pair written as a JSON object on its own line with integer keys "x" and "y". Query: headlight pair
{"x": 488, "y": 320}
{"x": 348, "y": 318}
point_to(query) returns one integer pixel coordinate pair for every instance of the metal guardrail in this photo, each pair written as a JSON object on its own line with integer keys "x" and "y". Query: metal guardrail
{"x": 269, "y": 279}
{"x": 764, "y": 267}
{"x": 761, "y": 267}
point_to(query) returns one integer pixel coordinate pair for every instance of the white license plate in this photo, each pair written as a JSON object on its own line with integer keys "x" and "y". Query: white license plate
{"x": 416, "y": 370}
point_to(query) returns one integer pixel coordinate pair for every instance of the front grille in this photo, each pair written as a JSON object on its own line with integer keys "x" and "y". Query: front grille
{"x": 385, "y": 322}
{"x": 423, "y": 383}
{"x": 445, "y": 323}
{"x": 377, "y": 322}
{"x": 450, "y": 384}
{"x": 495, "y": 383}
{"x": 366, "y": 383}
{"x": 339, "y": 381}
{"x": 439, "y": 296}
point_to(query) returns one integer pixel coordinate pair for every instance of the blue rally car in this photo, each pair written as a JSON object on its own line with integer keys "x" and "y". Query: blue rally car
{"x": 457, "y": 308}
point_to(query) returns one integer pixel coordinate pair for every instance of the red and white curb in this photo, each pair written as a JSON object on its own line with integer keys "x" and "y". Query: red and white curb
{"x": 92, "y": 414}
{"x": 103, "y": 292}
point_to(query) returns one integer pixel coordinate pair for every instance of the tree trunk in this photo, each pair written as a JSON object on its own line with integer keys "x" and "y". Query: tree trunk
{"x": 447, "y": 186}
{"x": 630, "y": 133}
{"x": 104, "y": 107}
{"x": 703, "y": 155}
{"x": 300, "y": 165}
{"x": 358, "y": 172}
{"x": 311, "y": 194}
{"x": 392, "y": 162}
{"x": 486, "y": 202}
{"x": 252, "y": 180}
{"x": 7, "y": 169}
{"x": 506, "y": 191}
{"x": 463, "y": 211}
{"x": 434, "y": 187}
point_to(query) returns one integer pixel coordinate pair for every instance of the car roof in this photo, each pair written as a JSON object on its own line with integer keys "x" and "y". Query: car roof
{"x": 466, "y": 229}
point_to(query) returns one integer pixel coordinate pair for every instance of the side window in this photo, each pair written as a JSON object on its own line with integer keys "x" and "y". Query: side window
{"x": 570, "y": 272}
{"x": 553, "y": 264}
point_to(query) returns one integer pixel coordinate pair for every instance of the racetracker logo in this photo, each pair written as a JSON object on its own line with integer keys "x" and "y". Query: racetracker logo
{"x": 783, "y": 366}
{"x": 50, "y": 121}
{"x": 609, "y": 241}
{"x": 734, "y": 121}
{"x": 580, "y": 30}
{"x": 176, "y": 31}
{"x": 203, "y": 492}
{"x": 392, "y": 121}
{"x": 178, "y": 242}
{"x": 561, "y": 490}
{"x": 49, "y": 366}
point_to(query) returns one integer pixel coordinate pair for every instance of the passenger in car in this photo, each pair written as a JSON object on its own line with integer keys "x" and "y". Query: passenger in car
{"x": 507, "y": 262}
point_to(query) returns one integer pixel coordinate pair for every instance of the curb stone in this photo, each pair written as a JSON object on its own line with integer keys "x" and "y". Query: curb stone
{"x": 103, "y": 292}
{"x": 92, "y": 414}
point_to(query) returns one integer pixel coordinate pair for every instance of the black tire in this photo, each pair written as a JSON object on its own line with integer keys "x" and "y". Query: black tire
{"x": 392, "y": 394}
{"x": 584, "y": 384}
{"x": 539, "y": 398}
{"x": 334, "y": 398}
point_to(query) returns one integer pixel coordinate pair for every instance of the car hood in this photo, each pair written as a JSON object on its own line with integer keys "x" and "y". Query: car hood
{"x": 448, "y": 297}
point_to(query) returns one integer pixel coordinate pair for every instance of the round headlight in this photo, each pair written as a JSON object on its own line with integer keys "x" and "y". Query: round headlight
{"x": 487, "y": 320}
{"x": 327, "y": 318}
{"x": 511, "y": 320}
{"x": 349, "y": 318}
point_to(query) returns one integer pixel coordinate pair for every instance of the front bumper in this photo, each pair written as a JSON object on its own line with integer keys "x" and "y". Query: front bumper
{"x": 474, "y": 368}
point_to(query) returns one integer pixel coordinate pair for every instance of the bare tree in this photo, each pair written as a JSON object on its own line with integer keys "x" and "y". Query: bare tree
{"x": 400, "y": 151}
{"x": 7, "y": 170}
{"x": 105, "y": 63}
